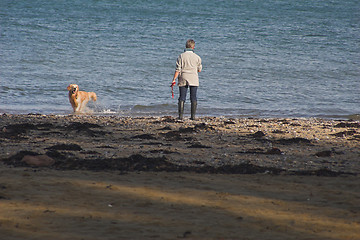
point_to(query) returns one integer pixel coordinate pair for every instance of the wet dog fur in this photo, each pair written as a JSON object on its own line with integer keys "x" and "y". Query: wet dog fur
{"x": 79, "y": 99}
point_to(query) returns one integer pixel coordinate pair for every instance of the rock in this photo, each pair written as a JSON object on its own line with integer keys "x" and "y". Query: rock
{"x": 278, "y": 132}
{"x": 198, "y": 145}
{"x": 348, "y": 125}
{"x": 297, "y": 140}
{"x": 258, "y": 134}
{"x": 204, "y": 126}
{"x": 187, "y": 130}
{"x": 274, "y": 151}
{"x": 38, "y": 161}
{"x": 324, "y": 154}
{"x": 229, "y": 121}
{"x": 68, "y": 147}
{"x": 144, "y": 136}
{"x": 82, "y": 126}
{"x": 344, "y": 133}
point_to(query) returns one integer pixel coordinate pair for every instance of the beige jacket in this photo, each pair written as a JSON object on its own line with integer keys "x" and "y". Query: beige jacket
{"x": 188, "y": 65}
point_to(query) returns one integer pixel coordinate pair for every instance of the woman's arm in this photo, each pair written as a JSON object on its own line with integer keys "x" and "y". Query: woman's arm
{"x": 176, "y": 74}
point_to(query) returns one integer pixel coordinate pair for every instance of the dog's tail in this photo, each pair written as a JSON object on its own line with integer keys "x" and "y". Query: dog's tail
{"x": 93, "y": 96}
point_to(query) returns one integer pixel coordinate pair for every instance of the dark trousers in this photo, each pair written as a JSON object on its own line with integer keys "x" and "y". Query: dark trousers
{"x": 183, "y": 92}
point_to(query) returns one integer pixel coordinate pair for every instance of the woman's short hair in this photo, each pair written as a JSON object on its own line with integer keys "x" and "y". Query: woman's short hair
{"x": 190, "y": 43}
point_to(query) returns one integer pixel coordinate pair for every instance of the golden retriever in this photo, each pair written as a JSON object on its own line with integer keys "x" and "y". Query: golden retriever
{"x": 79, "y": 99}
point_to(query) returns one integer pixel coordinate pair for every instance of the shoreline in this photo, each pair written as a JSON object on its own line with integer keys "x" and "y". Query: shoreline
{"x": 135, "y": 113}
{"x": 274, "y": 145}
{"x": 91, "y": 177}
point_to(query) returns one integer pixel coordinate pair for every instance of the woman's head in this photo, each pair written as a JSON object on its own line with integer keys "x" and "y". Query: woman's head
{"x": 190, "y": 43}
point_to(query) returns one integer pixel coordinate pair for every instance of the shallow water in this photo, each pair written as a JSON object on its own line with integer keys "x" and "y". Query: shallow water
{"x": 271, "y": 58}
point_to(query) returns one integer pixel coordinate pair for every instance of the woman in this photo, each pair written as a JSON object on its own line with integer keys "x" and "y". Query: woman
{"x": 188, "y": 65}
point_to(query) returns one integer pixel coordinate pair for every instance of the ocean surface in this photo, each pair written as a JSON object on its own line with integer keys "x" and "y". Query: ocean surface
{"x": 261, "y": 58}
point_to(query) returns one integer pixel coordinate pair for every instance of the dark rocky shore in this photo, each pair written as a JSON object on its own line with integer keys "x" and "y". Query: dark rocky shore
{"x": 208, "y": 145}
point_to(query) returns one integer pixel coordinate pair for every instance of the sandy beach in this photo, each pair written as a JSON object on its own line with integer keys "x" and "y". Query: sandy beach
{"x": 109, "y": 177}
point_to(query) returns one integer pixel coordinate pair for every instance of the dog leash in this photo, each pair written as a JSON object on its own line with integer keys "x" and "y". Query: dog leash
{"x": 172, "y": 89}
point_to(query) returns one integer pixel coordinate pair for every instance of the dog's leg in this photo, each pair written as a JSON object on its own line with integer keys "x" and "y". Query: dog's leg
{"x": 78, "y": 108}
{"x": 83, "y": 104}
{"x": 93, "y": 96}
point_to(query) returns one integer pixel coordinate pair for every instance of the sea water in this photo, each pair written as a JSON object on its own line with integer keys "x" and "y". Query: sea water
{"x": 261, "y": 58}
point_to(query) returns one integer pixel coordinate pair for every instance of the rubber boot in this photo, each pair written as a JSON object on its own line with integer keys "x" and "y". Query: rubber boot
{"x": 193, "y": 110}
{"x": 181, "y": 109}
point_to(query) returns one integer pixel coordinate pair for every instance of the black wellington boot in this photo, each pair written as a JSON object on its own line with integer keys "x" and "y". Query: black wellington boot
{"x": 193, "y": 110}
{"x": 181, "y": 109}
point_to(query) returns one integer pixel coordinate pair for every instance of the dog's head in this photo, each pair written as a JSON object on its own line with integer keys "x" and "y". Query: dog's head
{"x": 73, "y": 88}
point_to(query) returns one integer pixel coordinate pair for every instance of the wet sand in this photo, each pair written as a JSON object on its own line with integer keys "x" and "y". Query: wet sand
{"x": 107, "y": 177}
